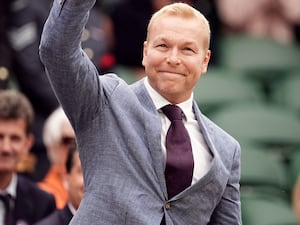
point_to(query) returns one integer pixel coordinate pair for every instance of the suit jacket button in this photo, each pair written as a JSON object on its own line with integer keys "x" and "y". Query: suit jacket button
{"x": 168, "y": 205}
{"x": 61, "y": 2}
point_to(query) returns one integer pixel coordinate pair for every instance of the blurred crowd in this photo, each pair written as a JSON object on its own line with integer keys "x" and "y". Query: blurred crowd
{"x": 279, "y": 19}
{"x": 113, "y": 38}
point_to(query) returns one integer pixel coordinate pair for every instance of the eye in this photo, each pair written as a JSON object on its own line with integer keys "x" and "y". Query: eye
{"x": 15, "y": 138}
{"x": 188, "y": 49}
{"x": 162, "y": 46}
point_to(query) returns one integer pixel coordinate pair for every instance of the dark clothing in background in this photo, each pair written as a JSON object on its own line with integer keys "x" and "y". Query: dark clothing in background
{"x": 31, "y": 204}
{"x": 58, "y": 217}
{"x": 130, "y": 19}
{"x": 23, "y": 24}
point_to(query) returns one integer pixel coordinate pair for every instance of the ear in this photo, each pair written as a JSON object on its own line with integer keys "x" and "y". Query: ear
{"x": 205, "y": 62}
{"x": 144, "y": 52}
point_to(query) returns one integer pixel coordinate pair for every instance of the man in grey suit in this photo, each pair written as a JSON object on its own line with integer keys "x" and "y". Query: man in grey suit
{"x": 121, "y": 129}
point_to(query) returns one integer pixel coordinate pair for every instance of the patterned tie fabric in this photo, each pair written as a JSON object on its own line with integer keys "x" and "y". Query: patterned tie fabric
{"x": 8, "y": 205}
{"x": 179, "y": 163}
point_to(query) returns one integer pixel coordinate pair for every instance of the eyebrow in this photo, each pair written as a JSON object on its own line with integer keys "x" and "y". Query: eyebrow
{"x": 166, "y": 40}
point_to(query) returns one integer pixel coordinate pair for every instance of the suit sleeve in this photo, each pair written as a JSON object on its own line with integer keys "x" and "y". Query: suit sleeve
{"x": 228, "y": 211}
{"x": 72, "y": 75}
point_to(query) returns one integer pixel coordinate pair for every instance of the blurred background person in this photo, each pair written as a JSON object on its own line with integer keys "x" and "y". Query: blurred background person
{"x": 277, "y": 19}
{"x": 21, "y": 201}
{"x": 73, "y": 180}
{"x": 21, "y": 23}
{"x": 58, "y": 135}
{"x": 4, "y": 49}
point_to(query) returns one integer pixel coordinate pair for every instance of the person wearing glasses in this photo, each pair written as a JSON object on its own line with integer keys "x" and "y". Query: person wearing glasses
{"x": 58, "y": 135}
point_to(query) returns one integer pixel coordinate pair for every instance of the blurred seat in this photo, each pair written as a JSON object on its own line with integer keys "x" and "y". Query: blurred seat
{"x": 263, "y": 171}
{"x": 125, "y": 73}
{"x": 263, "y": 209}
{"x": 221, "y": 87}
{"x": 262, "y": 59}
{"x": 258, "y": 54}
{"x": 271, "y": 126}
{"x": 286, "y": 91}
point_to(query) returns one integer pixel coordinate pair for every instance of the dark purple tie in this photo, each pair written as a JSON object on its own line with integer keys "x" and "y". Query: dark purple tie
{"x": 180, "y": 163}
{"x": 8, "y": 205}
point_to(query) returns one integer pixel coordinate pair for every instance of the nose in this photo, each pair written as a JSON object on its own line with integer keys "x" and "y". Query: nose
{"x": 173, "y": 57}
{"x": 5, "y": 144}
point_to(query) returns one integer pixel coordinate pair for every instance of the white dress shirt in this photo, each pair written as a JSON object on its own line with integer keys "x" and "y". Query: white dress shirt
{"x": 201, "y": 154}
{"x": 72, "y": 208}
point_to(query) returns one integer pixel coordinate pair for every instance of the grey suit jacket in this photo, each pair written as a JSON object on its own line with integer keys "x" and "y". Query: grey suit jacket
{"x": 118, "y": 133}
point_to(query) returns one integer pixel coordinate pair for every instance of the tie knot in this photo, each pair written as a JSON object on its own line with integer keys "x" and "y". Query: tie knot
{"x": 6, "y": 198}
{"x": 173, "y": 112}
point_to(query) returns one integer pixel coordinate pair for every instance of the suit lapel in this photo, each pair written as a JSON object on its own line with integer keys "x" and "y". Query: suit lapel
{"x": 217, "y": 171}
{"x": 153, "y": 132}
{"x": 23, "y": 207}
{"x": 65, "y": 215}
{"x": 204, "y": 129}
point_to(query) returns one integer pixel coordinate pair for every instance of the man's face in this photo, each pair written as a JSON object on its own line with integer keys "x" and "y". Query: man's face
{"x": 74, "y": 181}
{"x": 14, "y": 144}
{"x": 175, "y": 57}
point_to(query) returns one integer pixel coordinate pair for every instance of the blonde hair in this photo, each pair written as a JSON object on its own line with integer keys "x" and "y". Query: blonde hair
{"x": 182, "y": 10}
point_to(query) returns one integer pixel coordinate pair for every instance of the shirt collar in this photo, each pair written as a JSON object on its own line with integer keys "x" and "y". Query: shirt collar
{"x": 159, "y": 101}
{"x": 72, "y": 208}
{"x": 12, "y": 187}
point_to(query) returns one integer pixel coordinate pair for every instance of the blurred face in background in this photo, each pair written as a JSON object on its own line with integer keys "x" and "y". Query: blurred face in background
{"x": 15, "y": 142}
{"x": 74, "y": 182}
{"x": 60, "y": 150}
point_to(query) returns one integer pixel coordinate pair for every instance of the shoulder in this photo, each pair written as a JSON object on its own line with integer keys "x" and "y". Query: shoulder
{"x": 32, "y": 203}
{"x": 225, "y": 144}
{"x": 26, "y": 187}
{"x": 51, "y": 219}
{"x": 221, "y": 137}
{"x": 59, "y": 216}
{"x": 215, "y": 132}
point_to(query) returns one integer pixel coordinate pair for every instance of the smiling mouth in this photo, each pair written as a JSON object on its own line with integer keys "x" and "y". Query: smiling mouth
{"x": 172, "y": 73}
{"x": 4, "y": 155}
